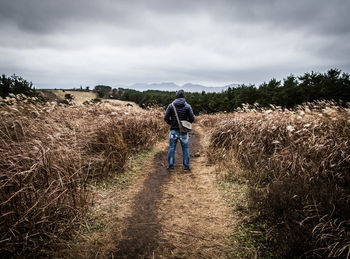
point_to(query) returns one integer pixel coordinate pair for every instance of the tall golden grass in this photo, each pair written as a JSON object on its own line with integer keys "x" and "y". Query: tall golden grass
{"x": 298, "y": 166}
{"x": 49, "y": 153}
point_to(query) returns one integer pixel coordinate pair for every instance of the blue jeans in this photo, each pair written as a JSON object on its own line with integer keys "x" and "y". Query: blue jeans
{"x": 183, "y": 137}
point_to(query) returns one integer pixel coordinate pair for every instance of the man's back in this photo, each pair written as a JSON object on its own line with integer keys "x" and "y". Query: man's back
{"x": 184, "y": 111}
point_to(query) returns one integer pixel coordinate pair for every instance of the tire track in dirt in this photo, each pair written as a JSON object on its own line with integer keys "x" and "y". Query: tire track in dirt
{"x": 143, "y": 226}
{"x": 195, "y": 218}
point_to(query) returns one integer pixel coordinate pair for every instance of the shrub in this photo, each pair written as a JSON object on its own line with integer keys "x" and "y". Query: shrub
{"x": 16, "y": 85}
{"x": 298, "y": 170}
{"x": 103, "y": 91}
{"x": 49, "y": 153}
{"x": 96, "y": 100}
{"x": 68, "y": 96}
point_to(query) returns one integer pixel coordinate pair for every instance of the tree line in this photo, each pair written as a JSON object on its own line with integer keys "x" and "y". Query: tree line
{"x": 292, "y": 91}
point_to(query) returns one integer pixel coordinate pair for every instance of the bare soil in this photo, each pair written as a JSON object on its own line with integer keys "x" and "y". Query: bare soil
{"x": 161, "y": 214}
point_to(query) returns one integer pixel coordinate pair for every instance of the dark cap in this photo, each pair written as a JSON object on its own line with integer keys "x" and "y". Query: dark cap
{"x": 180, "y": 94}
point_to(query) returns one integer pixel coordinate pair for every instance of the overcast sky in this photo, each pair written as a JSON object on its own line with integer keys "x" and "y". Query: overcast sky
{"x": 69, "y": 43}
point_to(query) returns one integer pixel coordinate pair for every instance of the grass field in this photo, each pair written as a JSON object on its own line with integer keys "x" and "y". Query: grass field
{"x": 51, "y": 155}
{"x": 297, "y": 164}
{"x": 79, "y": 97}
{"x": 285, "y": 174}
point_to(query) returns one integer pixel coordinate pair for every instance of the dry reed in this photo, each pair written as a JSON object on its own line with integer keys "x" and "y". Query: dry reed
{"x": 48, "y": 155}
{"x": 298, "y": 165}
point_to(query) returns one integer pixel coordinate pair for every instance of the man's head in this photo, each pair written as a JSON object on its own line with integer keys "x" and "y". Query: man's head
{"x": 180, "y": 94}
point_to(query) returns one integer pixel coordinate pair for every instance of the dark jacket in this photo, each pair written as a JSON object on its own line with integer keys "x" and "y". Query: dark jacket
{"x": 184, "y": 111}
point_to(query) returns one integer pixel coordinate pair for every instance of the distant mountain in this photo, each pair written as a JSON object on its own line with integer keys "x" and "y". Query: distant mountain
{"x": 172, "y": 87}
{"x": 167, "y": 86}
{"x": 208, "y": 89}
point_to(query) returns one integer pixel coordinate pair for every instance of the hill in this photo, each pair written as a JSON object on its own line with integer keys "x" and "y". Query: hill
{"x": 79, "y": 97}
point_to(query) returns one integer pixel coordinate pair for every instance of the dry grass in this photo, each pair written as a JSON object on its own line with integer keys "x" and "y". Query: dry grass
{"x": 298, "y": 170}
{"x": 49, "y": 154}
{"x": 79, "y": 97}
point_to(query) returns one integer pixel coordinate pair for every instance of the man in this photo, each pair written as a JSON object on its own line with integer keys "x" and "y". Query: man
{"x": 184, "y": 111}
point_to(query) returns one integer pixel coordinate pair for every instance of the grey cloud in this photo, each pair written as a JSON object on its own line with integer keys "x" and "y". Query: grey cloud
{"x": 38, "y": 15}
{"x": 50, "y": 15}
{"x": 159, "y": 40}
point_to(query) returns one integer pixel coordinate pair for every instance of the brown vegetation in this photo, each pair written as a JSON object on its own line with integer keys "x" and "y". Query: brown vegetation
{"x": 49, "y": 154}
{"x": 78, "y": 97}
{"x": 297, "y": 164}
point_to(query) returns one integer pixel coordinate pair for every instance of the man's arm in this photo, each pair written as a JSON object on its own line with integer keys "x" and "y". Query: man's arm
{"x": 167, "y": 115}
{"x": 190, "y": 114}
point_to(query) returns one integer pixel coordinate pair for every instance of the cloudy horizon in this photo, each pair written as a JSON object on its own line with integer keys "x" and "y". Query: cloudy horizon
{"x": 66, "y": 44}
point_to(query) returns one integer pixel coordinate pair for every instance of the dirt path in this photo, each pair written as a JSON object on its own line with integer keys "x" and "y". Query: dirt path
{"x": 162, "y": 214}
